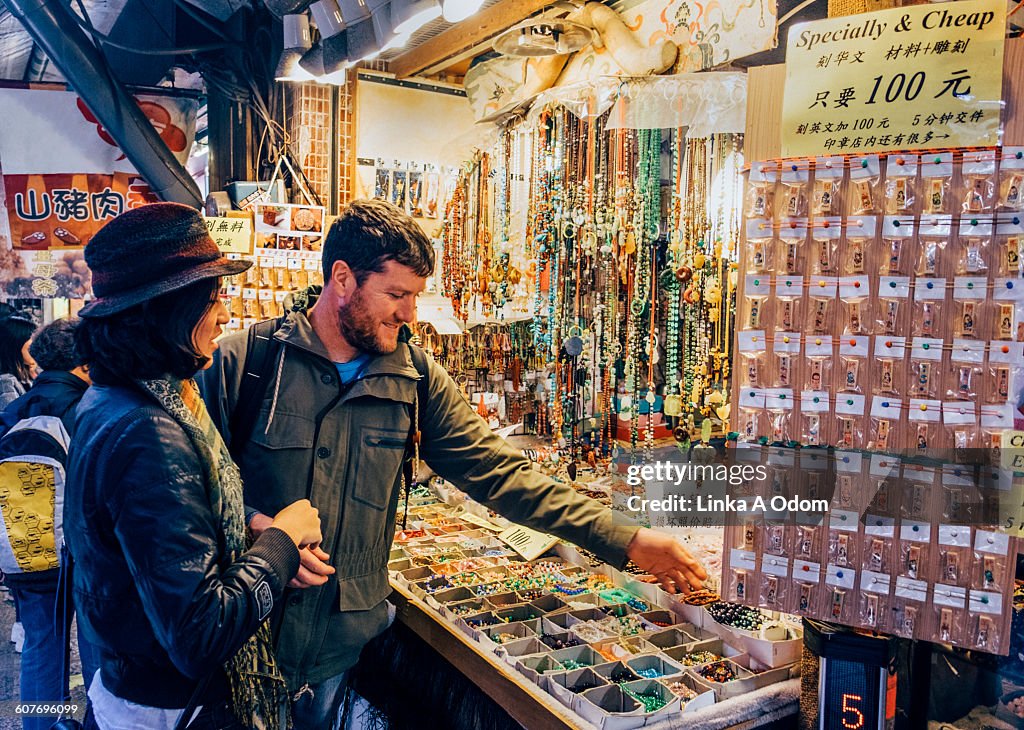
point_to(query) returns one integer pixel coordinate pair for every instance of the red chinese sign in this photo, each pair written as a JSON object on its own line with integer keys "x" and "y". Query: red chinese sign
{"x": 65, "y": 211}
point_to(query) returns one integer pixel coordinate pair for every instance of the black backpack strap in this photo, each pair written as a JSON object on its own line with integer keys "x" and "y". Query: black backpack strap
{"x": 412, "y": 449}
{"x": 257, "y": 372}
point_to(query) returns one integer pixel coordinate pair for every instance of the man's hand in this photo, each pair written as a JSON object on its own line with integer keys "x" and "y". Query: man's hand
{"x": 668, "y": 561}
{"x": 313, "y": 565}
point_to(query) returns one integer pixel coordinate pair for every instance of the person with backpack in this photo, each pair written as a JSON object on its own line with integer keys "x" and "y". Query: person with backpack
{"x": 331, "y": 402}
{"x": 17, "y": 368}
{"x": 167, "y": 586}
{"x": 37, "y": 428}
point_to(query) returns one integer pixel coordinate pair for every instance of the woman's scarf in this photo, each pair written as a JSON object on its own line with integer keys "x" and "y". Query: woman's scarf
{"x": 259, "y": 693}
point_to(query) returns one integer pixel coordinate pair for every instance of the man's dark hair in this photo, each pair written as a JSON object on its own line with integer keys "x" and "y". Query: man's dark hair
{"x": 150, "y": 340}
{"x": 15, "y": 331}
{"x": 53, "y": 346}
{"x": 372, "y": 232}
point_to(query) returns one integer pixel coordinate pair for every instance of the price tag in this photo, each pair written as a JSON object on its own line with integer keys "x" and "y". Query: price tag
{"x": 528, "y": 543}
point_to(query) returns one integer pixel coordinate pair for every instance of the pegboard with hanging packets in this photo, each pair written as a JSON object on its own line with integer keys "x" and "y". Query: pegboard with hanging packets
{"x": 888, "y": 318}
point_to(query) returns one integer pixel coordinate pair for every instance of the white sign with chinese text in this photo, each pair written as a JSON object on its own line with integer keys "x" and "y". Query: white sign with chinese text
{"x": 232, "y": 235}
{"x": 921, "y": 77}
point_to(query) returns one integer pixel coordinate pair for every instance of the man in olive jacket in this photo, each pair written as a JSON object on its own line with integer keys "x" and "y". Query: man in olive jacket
{"x": 333, "y": 426}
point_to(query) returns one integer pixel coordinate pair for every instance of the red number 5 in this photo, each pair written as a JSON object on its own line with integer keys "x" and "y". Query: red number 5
{"x": 850, "y": 708}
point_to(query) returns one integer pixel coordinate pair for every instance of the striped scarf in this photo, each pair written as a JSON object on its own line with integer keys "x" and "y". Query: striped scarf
{"x": 258, "y": 690}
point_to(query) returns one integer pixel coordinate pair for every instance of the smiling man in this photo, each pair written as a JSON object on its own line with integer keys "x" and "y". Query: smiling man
{"x": 339, "y": 395}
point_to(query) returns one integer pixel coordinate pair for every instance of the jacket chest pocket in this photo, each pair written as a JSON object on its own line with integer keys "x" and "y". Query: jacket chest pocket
{"x": 376, "y": 465}
{"x": 278, "y": 459}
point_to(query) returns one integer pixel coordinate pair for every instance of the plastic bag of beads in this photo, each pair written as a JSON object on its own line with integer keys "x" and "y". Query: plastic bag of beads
{"x": 1005, "y": 380}
{"x": 966, "y": 365}
{"x": 853, "y": 361}
{"x": 796, "y": 176}
{"x": 974, "y": 243}
{"x": 865, "y": 183}
{"x": 985, "y": 610}
{"x": 792, "y": 246}
{"x": 805, "y": 596}
{"x": 760, "y": 233}
{"x": 774, "y": 583}
{"x": 909, "y": 603}
{"x": 1008, "y": 247}
{"x": 854, "y": 296}
{"x": 1011, "y": 179}
{"x": 991, "y": 560}
{"x": 828, "y": 178}
{"x": 978, "y": 181}
{"x": 884, "y": 431}
{"x": 825, "y": 236}
{"x": 924, "y": 417}
{"x": 936, "y": 183}
{"x": 901, "y": 184}
{"x": 896, "y": 256}
{"x": 840, "y": 595}
{"x": 970, "y": 310}
{"x": 761, "y": 189}
{"x": 948, "y": 614}
{"x": 933, "y": 239}
{"x": 874, "y": 600}
{"x": 929, "y": 308}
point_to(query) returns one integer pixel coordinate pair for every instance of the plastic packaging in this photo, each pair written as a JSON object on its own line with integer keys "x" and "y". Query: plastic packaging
{"x": 936, "y": 182}
{"x": 978, "y": 181}
{"x": 1011, "y": 179}
{"x": 828, "y": 179}
{"x": 896, "y": 256}
{"x": 974, "y": 241}
{"x": 865, "y": 183}
{"x": 795, "y": 191}
{"x": 759, "y": 245}
{"x": 933, "y": 238}
{"x": 901, "y": 172}
{"x": 1008, "y": 247}
{"x": 761, "y": 190}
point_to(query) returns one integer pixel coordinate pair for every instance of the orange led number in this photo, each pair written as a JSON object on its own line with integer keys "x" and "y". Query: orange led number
{"x": 850, "y": 702}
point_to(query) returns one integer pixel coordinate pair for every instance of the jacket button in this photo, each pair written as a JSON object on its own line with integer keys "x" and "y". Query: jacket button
{"x": 323, "y": 452}
{"x": 326, "y": 379}
{"x": 295, "y": 600}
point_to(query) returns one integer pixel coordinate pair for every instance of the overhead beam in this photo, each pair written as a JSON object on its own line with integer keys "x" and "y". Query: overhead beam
{"x": 471, "y": 32}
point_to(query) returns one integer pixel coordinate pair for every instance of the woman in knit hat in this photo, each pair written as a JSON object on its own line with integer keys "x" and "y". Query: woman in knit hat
{"x": 167, "y": 587}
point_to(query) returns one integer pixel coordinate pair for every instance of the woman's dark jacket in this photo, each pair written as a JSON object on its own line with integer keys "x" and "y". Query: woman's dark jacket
{"x": 154, "y": 590}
